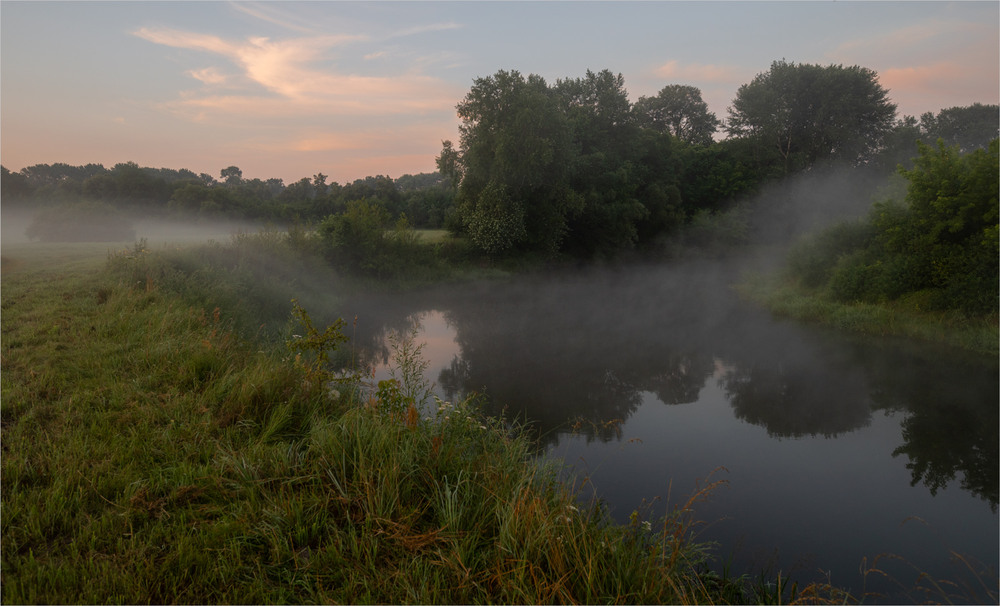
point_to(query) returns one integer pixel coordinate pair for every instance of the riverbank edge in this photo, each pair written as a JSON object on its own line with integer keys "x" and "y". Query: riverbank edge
{"x": 150, "y": 454}
{"x": 785, "y": 298}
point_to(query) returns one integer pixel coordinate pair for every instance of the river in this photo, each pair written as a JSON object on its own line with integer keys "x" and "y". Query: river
{"x": 860, "y": 462}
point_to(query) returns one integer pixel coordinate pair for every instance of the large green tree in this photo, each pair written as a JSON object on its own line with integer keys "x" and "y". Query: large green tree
{"x": 604, "y": 175}
{"x": 800, "y": 114}
{"x": 678, "y": 109}
{"x": 515, "y": 139}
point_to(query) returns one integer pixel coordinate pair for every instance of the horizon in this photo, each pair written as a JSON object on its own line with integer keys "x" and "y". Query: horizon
{"x": 288, "y": 90}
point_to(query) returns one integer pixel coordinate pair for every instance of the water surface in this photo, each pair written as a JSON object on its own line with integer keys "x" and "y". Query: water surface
{"x": 836, "y": 450}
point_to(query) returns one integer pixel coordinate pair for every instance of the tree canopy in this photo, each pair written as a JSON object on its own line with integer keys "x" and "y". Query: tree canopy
{"x": 799, "y": 114}
{"x": 679, "y": 110}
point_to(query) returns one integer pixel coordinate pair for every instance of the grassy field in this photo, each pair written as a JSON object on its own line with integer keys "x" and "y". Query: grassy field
{"x": 152, "y": 453}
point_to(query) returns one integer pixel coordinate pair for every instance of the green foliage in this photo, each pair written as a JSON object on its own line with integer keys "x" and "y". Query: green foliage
{"x": 366, "y": 242}
{"x": 316, "y": 345}
{"x": 970, "y": 127}
{"x": 942, "y": 243}
{"x": 678, "y": 109}
{"x": 799, "y": 114}
{"x": 357, "y": 238}
{"x": 813, "y": 260}
{"x": 568, "y": 164}
{"x": 495, "y": 223}
{"x": 514, "y": 136}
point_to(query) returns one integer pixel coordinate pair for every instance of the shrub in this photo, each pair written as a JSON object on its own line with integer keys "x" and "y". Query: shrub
{"x": 813, "y": 261}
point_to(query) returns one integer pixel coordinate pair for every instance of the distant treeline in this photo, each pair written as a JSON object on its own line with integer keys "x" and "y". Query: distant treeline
{"x": 572, "y": 168}
{"x": 128, "y": 186}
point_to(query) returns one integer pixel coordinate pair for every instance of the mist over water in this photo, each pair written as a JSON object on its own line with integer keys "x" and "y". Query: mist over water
{"x": 645, "y": 378}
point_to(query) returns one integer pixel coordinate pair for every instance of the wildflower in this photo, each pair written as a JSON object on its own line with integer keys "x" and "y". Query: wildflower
{"x": 482, "y": 427}
{"x": 647, "y": 526}
{"x": 297, "y": 336}
{"x": 571, "y": 508}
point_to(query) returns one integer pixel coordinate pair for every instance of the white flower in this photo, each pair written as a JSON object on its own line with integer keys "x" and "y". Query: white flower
{"x": 647, "y": 526}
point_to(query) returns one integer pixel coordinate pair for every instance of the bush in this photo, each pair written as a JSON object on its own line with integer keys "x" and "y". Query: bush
{"x": 362, "y": 242}
{"x": 942, "y": 242}
{"x": 813, "y": 261}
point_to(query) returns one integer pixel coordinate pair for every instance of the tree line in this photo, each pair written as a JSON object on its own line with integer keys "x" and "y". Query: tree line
{"x": 571, "y": 168}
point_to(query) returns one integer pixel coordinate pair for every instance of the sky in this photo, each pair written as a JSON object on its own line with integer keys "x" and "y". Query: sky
{"x": 351, "y": 89}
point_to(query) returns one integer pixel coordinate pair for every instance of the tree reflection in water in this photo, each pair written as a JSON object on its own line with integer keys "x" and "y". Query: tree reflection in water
{"x": 553, "y": 352}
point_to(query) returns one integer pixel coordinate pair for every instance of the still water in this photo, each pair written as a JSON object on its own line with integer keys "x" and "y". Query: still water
{"x": 839, "y": 454}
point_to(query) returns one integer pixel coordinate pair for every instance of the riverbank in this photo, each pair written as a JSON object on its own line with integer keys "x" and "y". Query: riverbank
{"x": 153, "y": 452}
{"x": 903, "y": 318}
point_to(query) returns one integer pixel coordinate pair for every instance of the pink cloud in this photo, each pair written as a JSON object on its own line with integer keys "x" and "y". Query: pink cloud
{"x": 697, "y": 72}
{"x": 209, "y": 75}
{"x": 286, "y": 68}
{"x": 939, "y": 85}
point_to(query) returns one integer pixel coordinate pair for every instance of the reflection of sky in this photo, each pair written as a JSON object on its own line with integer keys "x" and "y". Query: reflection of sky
{"x": 439, "y": 347}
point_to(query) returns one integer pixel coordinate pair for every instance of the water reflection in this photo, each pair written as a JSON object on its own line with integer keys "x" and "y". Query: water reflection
{"x": 555, "y": 351}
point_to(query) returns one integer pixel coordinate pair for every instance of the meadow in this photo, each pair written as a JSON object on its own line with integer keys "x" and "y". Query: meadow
{"x": 159, "y": 448}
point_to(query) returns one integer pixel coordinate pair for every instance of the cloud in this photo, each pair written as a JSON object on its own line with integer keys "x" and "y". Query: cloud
{"x": 697, "y": 72}
{"x": 288, "y": 69}
{"x": 266, "y": 12}
{"x": 939, "y": 85}
{"x": 208, "y": 75}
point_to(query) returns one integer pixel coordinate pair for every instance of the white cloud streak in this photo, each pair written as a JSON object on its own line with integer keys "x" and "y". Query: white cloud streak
{"x": 296, "y": 71}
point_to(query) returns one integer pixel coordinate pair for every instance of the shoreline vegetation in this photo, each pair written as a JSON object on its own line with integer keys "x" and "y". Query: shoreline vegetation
{"x": 153, "y": 454}
{"x": 904, "y": 318}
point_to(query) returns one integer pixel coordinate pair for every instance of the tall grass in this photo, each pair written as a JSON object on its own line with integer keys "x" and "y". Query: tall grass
{"x": 153, "y": 452}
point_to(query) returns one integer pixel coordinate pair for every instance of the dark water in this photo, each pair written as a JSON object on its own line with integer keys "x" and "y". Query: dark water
{"x": 840, "y": 454}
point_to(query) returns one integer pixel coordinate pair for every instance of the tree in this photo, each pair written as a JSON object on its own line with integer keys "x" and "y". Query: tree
{"x": 13, "y": 186}
{"x": 495, "y": 222}
{"x": 800, "y": 114}
{"x": 356, "y": 239}
{"x": 679, "y": 110}
{"x": 319, "y": 184}
{"x": 605, "y": 173}
{"x": 969, "y": 128}
{"x": 232, "y": 175}
{"x": 514, "y": 136}
{"x": 448, "y": 164}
